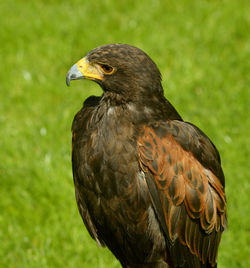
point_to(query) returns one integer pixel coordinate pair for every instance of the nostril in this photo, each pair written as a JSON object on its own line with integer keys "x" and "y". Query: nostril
{"x": 80, "y": 66}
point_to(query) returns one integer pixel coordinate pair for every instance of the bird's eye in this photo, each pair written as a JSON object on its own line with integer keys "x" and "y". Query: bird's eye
{"x": 107, "y": 69}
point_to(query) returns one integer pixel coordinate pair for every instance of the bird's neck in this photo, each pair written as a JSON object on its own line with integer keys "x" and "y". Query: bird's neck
{"x": 156, "y": 108}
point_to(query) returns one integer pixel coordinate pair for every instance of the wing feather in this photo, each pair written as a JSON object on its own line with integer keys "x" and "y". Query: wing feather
{"x": 183, "y": 169}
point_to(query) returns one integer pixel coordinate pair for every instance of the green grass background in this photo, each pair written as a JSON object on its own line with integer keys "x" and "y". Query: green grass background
{"x": 202, "y": 49}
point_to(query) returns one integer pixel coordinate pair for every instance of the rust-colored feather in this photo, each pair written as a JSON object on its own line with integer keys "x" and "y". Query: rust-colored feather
{"x": 193, "y": 203}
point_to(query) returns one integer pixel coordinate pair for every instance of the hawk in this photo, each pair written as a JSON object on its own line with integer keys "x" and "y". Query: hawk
{"x": 148, "y": 185}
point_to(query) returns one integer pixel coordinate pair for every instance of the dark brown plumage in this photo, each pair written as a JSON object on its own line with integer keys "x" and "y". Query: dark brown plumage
{"x": 148, "y": 185}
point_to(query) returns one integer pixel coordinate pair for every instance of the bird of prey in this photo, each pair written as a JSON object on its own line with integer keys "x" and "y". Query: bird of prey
{"x": 148, "y": 185}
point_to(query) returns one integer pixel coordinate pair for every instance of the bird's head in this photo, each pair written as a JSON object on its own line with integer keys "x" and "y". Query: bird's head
{"x": 119, "y": 68}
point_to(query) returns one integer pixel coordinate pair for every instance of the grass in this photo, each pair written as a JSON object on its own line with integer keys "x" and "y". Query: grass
{"x": 202, "y": 49}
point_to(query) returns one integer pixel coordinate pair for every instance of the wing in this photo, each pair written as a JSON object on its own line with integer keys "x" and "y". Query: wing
{"x": 79, "y": 127}
{"x": 186, "y": 184}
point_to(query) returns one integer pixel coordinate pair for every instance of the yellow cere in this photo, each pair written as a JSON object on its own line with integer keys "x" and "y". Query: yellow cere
{"x": 90, "y": 71}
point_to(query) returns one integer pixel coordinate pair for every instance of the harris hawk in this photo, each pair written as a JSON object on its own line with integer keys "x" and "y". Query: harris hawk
{"x": 148, "y": 185}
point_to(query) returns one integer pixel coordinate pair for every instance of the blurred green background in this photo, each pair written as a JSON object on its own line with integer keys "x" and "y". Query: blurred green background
{"x": 202, "y": 49}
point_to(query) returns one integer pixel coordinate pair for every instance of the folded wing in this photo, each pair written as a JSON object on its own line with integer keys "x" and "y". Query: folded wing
{"x": 186, "y": 185}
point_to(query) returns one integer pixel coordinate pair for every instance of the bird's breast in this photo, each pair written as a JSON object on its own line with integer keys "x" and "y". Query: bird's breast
{"x": 108, "y": 157}
{"x": 111, "y": 185}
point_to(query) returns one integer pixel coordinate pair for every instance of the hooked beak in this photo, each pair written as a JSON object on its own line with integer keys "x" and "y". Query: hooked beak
{"x": 83, "y": 69}
{"x": 73, "y": 74}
